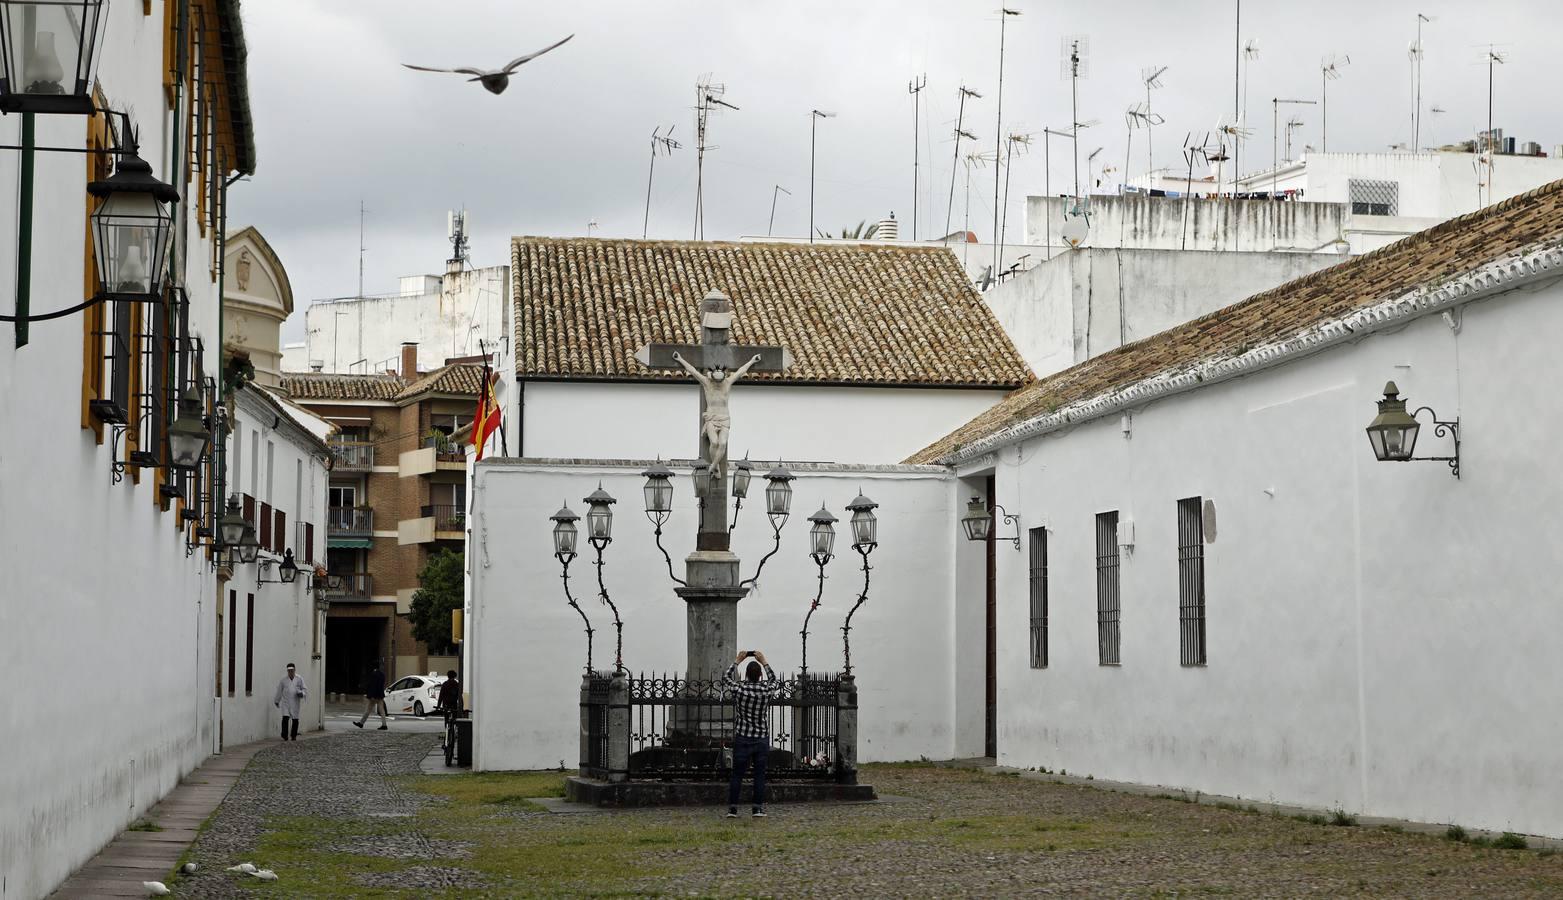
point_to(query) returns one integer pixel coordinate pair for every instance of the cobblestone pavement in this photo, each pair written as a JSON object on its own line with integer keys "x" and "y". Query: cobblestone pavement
{"x": 342, "y": 816}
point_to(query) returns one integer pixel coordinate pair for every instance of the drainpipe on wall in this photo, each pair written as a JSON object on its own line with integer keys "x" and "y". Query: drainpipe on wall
{"x": 24, "y": 233}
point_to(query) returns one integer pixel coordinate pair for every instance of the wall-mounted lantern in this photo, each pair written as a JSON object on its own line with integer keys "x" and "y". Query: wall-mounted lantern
{"x": 248, "y": 547}
{"x": 287, "y": 571}
{"x": 131, "y": 230}
{"x": 48, "y": 51}
{"x": 1393, "y": 432}
{"x": 978, "y": 522}
{"x": 230, "y": 528}
{"x": 188, "y": 436}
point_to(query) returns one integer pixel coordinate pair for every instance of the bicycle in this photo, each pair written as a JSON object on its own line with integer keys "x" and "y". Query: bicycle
{"x": 450, "y": 737}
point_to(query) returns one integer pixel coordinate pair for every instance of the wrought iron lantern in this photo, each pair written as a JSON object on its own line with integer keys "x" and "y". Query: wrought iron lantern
{"x": 742, "y": 471}
{"x": 249, "y": 547}
{"x": 658, "y": 490}
{"x": 822, "y": 536}
{"x": 1393, "y": 432}
{"x": 978, "y": 522}
{"x": 288, "y": 570}
{"x": 565, "y": 533}
{"x": 131, "y": 230}
{"x": 188, "y": 436}
{"x": 865, "y": 525}
{"x": 778, "y": 491}
{"x": 230, "y": 528}
{"x": 49, "y": 49}
{"x": 599, "y": 515}
{"x": 700, "y": 475}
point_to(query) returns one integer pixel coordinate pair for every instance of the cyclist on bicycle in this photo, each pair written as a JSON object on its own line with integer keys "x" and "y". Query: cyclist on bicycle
{"x": 450, "y": 701}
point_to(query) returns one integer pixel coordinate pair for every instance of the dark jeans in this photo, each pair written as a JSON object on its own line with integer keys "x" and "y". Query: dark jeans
{"x": 285, "y": 721}
{"x": 748, "y": 750}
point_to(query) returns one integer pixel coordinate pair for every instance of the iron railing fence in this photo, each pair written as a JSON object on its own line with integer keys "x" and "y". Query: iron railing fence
{"x": 352, "y": 454}
{"x": 1108, "y": 602}
{"x": 350, "y": 520}
{"x": 350, "y": 585}
{"x": 447, "y": 516}
{"x": 677, "y": 728}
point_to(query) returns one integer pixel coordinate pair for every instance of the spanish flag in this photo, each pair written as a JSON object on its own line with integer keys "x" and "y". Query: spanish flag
{"x": 486, "y": 422}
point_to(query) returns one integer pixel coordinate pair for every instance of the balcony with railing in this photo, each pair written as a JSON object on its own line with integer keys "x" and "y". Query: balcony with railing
{"x": 352, "y": 456}
{"x": 350, "y": 521}
{"x": 352, "y": 587}
{"x": 448, "y": 518}
{"x": 445, "y": 449}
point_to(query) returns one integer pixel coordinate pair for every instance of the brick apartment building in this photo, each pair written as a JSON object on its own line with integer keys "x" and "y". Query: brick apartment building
{"x": 398, "y": 495}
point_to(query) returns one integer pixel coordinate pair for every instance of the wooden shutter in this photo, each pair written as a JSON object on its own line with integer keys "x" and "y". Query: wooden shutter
{"x": 279, "y": 533}
{"x": 263, "y": 525}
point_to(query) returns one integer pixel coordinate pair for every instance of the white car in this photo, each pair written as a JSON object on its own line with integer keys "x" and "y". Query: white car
{"x": 416, "y": 694}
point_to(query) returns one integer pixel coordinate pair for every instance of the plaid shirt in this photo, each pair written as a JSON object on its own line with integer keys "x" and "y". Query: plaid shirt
{"x": 750, "y": 700}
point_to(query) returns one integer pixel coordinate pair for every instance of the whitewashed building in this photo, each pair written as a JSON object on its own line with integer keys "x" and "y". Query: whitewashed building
{"x": 278, "y": 471}
{"x": 107, "y": 613}
{"x": 891, "y": 346}
{"x": 450, "y": 316}
{"x": 1218, "y": 587}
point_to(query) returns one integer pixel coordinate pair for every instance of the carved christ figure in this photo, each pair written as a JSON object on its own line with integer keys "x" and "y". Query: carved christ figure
{"x": 717, "y": 419}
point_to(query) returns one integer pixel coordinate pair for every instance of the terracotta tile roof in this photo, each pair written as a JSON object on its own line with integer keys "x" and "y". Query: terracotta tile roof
{"x": 323, "y": 386}
{"x": 459, "y": 378}
{"x": 870, "y": 314}
{"x": 1426, "y": 259}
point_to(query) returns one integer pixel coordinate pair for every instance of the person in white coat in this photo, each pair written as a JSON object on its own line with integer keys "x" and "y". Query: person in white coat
{"x": 290, "y": 695}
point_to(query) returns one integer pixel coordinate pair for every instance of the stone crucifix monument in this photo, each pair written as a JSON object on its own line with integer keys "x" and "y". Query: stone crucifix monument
{"x": 713, "y": 590}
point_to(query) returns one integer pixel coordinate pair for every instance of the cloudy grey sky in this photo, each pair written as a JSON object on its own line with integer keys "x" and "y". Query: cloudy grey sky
{"x": 338, "y": 120}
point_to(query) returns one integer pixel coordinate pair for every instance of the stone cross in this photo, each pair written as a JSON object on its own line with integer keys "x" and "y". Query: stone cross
{"x": 712, "y": 590}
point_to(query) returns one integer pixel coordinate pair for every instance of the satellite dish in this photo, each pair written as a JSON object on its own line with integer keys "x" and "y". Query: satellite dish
{"x": 1074, "y": 230}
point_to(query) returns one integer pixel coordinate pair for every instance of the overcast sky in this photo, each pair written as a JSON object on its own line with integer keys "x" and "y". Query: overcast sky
{"x": 339, "y": 121}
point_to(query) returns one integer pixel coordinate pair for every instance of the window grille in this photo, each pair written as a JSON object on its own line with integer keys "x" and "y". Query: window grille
{"x": 233, "y": 639}
{"x": 249, "y": 646}
{"x": 1038, "y": 583}
{"x": 1191, "y": 581}
{"x": 152, "y": 402}
{"x": 1107, "y": 601}
{"x": 1374, "y": 198}
{"x": 114, "y": 407}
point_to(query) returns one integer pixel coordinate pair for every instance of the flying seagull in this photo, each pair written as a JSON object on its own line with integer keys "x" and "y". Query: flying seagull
{"x": 498, "y": 79}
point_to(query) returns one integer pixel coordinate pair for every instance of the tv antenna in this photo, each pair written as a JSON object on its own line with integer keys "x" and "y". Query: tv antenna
{"x": 915, "y": 88}
{"x": 1250, "y": 53}
{"x": 1137, "y": 116}
{"x": 955, "y": 159}
{"x": 973, "y": 161}
{"x": 1075, "y": 64}
{"x": 1151, "y": 75}
{"x": 774, "y": 190}
{"x": 1191, "y": 152}
{"x": 1493, "y": 57}
{"x": 1416, "y": 52}
{"x": 1275, "y": 136}
{"x": 456, "y": 224}
{"x": 708, "y": 96}
{"x": 1292, "y": 125}
{"x": 1047, "y": 175}
{"x": 362, "y": 248}
{"x": 1231, "y": 135}
{"x": 1329, "y": 70}
{"x": 1435, "y": 111}
{"x": 661, "y": 144}
{"x": 1023, "y": 140}
{"x": 998, "y": 132}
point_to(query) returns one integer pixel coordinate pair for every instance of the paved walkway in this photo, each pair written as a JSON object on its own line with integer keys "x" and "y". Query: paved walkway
{"x": 138, "y": 856}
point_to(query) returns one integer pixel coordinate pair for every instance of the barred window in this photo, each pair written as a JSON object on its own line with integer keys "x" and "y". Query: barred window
{"x": 1191, "y": 581}
{"x": 1107, "y": 606}
{"x": 1038, "y": 582}
{"x": 1374, "y": 198}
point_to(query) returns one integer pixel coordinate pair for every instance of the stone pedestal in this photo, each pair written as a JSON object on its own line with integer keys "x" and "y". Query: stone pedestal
{"x": 712, "y": 597}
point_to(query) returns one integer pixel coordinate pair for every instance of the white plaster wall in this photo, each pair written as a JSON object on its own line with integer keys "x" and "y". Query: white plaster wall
{"x": 1166, "y": 223}
{"x": 1382, "y": 638}
{"x": 287, "y": 628}
{"x": 600, "y": 420}
{"x": 1433, "y": 185}
{"x": 101, "y": 613}
{"x": 526, "y": 648}
{"x": 1086, "y": 302}
{"x": 467, "y": 307}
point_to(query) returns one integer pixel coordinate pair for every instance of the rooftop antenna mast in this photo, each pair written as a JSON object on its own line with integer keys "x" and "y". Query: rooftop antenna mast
{"x": 774, "y": 190}
{"x": 1191, "y": 152}
{"x": 665, "y": 145}
{"x": 955, "y": 159}
{"x": 1435, "y": 111}
{"x": 915, "y": 88}
{"x": 1329, "y": 70}
{"x": 1075, "y": 65}
{"x": 1135, "y": 117}
{"x": 1237, "y": 76}
{"x": 1250, "y": 53}
{"x": 1275, "y": 135}
{"x": 362, "y": 248}
{"x": 1233, "y": 135}
{"x": 1151, "y": 75}
{"x": 460, "y": 240}
{"x": 1493, "y": 57}
{"x": 973, "y": 161}
{"x": 1047, "y": 181}
{"x": 1416, "y": 53}
{"x": 1024, "y": 140}
{"x": 998, "y": 136}
{"x": 707, "y": 97}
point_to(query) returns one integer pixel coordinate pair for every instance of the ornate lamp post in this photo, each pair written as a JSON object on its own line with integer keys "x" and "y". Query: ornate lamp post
{"x": 34, "y": 34}
{"x": 864, "y": 539}
{"x": 599, "y": 532}
{"x": 565, "y": 534}
{"x": 1393, "y": 431}
{"x": 659, "y": 505}
{"x": 742, "y": 473}
{"x": 131, "y": 230}
{"x": 778, "y": 506}
{"x": 978, "y": 522}
{"x": 822, "y": 539}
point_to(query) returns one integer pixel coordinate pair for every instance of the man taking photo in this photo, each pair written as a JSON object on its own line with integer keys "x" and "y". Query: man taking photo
{"x": 751, "y": 726}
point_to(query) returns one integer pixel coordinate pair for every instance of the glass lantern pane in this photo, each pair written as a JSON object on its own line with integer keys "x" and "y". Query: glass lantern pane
{"x": 977, "y": 527}
{"x": 778, "y": 497}
{"x": 564, "y": 537}
{"x": 185, "y": 450}
{"x": 50, "y": 45}
{"x": 740, "y": 482}
{"x": 863, "y": 529}
{"x": 600, "y": 521}
{"x": 131, "y": 232}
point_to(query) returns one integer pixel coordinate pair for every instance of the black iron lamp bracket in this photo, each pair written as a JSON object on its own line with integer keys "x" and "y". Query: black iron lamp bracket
{"x": 1008, "y": 520}
{"x": 1449, "y": 428}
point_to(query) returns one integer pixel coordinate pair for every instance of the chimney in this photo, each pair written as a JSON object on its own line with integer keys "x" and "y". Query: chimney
{"x": 409, "y": 360}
